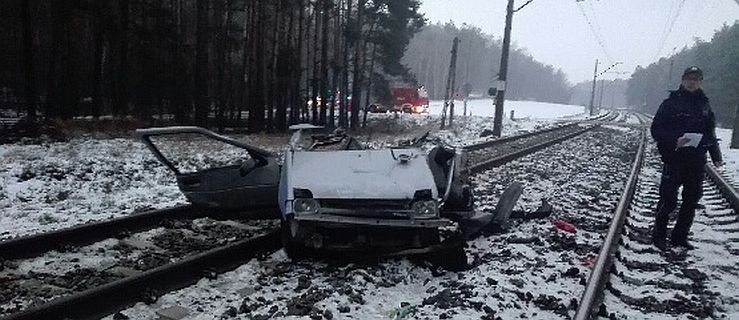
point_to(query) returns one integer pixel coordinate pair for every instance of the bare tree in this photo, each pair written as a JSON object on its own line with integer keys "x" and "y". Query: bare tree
{"x": 357, "y": 81}
{"x": 28, "y": 62}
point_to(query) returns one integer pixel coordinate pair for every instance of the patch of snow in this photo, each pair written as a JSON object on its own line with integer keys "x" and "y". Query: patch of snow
{"x": 521, "y": 109}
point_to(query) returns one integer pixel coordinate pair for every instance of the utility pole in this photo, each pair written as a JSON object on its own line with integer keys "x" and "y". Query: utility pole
{"x": 466, "y": 86}
{"x": 592, "y": 93}
{"x": 466, "y": 95}
{"x": 613, "y": 98}
{"x": 735, "y": 130}
{"x": 453, "y": 74}
{"x": 449, "y": 94}
{"x": 503, "y": 72}
{"x": 602, "y": 88}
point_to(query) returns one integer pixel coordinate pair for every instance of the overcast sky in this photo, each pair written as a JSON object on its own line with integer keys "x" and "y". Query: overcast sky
{"x": 557, "y": 32}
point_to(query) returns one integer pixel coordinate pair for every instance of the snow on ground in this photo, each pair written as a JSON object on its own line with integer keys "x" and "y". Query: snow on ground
{"x": 54, "y": 185}
{"x": 731, "y": 156}
{"x": 528, "y": 116}
{"x": 275, "y": 287}
{"x": 703, "y": 280}
{"x": 521, "y": 109}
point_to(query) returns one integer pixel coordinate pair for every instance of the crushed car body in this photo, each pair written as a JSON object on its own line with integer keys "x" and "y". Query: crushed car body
{"x": 335, "y": 195}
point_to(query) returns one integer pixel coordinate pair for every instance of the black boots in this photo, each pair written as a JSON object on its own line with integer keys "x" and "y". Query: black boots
{"x": 660, "y": 243}
{"x": 682, "y": 243}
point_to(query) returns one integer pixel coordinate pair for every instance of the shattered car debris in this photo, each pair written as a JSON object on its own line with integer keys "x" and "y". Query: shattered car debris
{"x": 248, "y": 181}
{"x": 336, "y": 195}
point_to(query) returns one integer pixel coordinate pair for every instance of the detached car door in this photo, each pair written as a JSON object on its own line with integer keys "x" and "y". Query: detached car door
{"x": 215, "y": 171}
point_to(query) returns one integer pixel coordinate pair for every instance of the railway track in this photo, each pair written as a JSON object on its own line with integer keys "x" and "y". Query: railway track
{"x": 276, "y": 287}
{"x": 545, "y": 262}
{"x": 97, "y": 300}
{"x": 633, "y": 280}
{"x": 483, "y": 156}
{"x": 32, "y": 245}
{"x": 92, "y": 270}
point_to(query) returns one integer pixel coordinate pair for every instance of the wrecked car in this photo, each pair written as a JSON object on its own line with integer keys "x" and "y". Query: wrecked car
{"x": 333, "y": 193}
{"x": 337, "y": 195}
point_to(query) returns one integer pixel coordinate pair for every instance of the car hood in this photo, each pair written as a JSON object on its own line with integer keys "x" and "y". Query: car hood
{"x": 361, "y": 174}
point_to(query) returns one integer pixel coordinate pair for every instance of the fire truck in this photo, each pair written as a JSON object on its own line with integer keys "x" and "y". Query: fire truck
{"x": 405, "y": 99}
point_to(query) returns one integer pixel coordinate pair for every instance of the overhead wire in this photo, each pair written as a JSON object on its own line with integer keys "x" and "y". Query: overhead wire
{"x": 595, "y": 17}
{"x": 667, "y": 19}
{"x": 664, "y": 38}
{"x": 598, "y": 37}
{"x": 600, "y": 33}
{"x": 669, "y": 23}
{"x": 527, "y": 3}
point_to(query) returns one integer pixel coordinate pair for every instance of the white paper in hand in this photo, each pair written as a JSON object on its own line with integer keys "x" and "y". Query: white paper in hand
{"x": 693, "y": 139}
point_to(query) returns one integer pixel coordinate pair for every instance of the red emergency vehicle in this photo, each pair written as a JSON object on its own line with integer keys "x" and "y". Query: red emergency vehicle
{"x": 405, "y": 99}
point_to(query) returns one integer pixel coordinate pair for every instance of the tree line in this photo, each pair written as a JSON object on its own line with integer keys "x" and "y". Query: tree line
{"x": 719, "y": 59}
{"x": 478, "y": 60}
{"x": 257, "y": 64}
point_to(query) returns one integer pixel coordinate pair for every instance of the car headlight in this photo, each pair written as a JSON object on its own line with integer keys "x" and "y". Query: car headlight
{"x": 305, "y": 205}
{"x": 425, "y": 209}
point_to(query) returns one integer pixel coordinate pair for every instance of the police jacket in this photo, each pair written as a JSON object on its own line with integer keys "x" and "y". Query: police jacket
{"x": 682, "y": 112}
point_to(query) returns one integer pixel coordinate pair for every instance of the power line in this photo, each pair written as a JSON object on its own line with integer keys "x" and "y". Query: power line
{"x": 600, "y": 32}
{"x": 598, "y": 37}
{"x": 669, "y": 30}
{"x": 666, "y": 34}
{"x": 530, "y": 1}
{"x": 670, "y": 13}
{"x": 595, "y": 17}
{"x": 596, "y": 33}
{"x": 609, "y": 68}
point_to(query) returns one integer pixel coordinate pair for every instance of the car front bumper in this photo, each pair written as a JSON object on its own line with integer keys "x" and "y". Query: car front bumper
{"x": 369, "y": 221}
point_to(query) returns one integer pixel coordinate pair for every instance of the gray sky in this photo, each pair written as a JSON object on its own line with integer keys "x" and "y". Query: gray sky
{"x": 556, "y": 31}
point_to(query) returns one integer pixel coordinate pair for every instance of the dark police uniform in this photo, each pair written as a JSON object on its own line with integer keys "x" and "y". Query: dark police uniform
{"x": 682, "y": 112}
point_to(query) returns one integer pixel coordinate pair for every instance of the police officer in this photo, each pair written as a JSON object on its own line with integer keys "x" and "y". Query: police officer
{"x": 686, "y": 110}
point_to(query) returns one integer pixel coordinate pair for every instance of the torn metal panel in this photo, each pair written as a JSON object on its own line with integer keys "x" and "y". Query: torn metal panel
{"x": 145, "y": 136}
{"x": 250, "y": 183}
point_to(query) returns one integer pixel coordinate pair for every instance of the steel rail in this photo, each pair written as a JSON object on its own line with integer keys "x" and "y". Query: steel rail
{"x": 727, "y": 190}
{"x": 500, "y": 160}
{"x": 115, "y": 296}
{"x": 487, "y": 144}
{"x": 590, "y": 299}
{"x": 491, "y": 143}
{"x": 33, "y": 245}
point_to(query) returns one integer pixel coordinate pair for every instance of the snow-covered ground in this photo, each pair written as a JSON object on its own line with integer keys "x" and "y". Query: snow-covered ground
{"x": 59, "y": 184}
{"x": 731, "y": 156}
{"x": 579, "y": 177}
{"x": 55, "y": 185}
{"x": 521, "y": 109}
{"x": 528, "y": 116}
